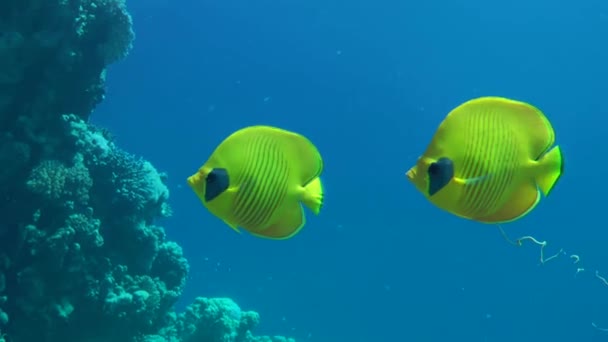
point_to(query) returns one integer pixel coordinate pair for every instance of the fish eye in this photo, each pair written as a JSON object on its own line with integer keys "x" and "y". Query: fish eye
{"x": 433, "y": 169}
{"x": 217, "y": 181}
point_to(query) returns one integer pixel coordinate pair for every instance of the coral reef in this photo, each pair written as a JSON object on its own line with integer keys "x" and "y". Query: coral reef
{"x": 81, "y": 258}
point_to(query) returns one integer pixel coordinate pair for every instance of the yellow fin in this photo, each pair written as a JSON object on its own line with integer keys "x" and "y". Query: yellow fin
{"x": 530, "y": 123}
{"x": 551, "y": 167}
{"x": 313, "y": 195}
{"x": 304, "y": 158}
{"x": 233, "y": 226}
{"x": 522, "y": 201}
{"x": 288, "y": 225}
{"x": 471, "y": 181}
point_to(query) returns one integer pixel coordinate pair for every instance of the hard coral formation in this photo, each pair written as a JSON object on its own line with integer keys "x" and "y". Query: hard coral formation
{"x": 59, "y": 184}
{"x": 81, "y": 258}
{"x": 212, "y": 319}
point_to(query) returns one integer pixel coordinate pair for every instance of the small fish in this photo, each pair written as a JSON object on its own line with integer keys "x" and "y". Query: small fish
{"x": 257, "y": 178}
{"x": 489, "y": 161}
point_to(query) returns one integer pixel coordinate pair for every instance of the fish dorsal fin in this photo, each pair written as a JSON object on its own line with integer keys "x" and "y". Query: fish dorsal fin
{"x": 303, "y": 157}
{"x": 529, "y": 122}
{"x": 304, "y": 160}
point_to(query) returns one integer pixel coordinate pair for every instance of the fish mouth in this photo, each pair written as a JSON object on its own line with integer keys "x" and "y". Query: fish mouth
{"x": 192, "y": 180}
{"x": 411, "y": 174}
{"x": 195, "y": 179}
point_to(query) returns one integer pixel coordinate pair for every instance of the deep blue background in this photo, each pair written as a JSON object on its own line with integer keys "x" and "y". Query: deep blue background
{"x": 368, "y": 82}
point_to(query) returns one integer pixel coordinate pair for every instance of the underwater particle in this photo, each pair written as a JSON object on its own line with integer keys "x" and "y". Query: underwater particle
{"x": 258, "y": 178}
{"x": 576, "y": 258}
{"x": 598, "y": 328}
{"x": 519, "y": 242}
{"x": 63, "y": 308}
{"x": 602, "y": 279}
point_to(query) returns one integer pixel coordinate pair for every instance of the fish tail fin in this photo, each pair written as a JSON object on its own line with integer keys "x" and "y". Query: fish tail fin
{"x": 313, "y": 195}
{"x": 551, "y": 168}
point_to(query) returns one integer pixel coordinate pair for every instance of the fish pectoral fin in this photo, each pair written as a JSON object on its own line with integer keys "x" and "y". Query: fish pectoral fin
{"x": 522, "y": 201}
{"x": 471, "y": 181}
{"x": 233, "y": 189}
{"x": 288, "y": 225}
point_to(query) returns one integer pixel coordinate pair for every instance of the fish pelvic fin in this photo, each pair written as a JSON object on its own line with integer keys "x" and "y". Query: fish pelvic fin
{"x": 233, "y": 226}
{"x": 313, "y": 195}
{"x": 551, "y": 167}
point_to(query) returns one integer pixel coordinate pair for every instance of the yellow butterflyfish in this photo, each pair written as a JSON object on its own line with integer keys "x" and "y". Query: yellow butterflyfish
{"x": 489, "y": 160}
{"x": 258, "y": 178}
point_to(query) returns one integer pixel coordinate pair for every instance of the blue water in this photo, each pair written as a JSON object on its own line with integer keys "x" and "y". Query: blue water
{"x": 368, "y": 82}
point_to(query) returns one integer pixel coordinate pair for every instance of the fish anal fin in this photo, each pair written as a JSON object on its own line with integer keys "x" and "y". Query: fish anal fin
{"x": 522, "y": 201}
{"x": 288, "y": 225}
